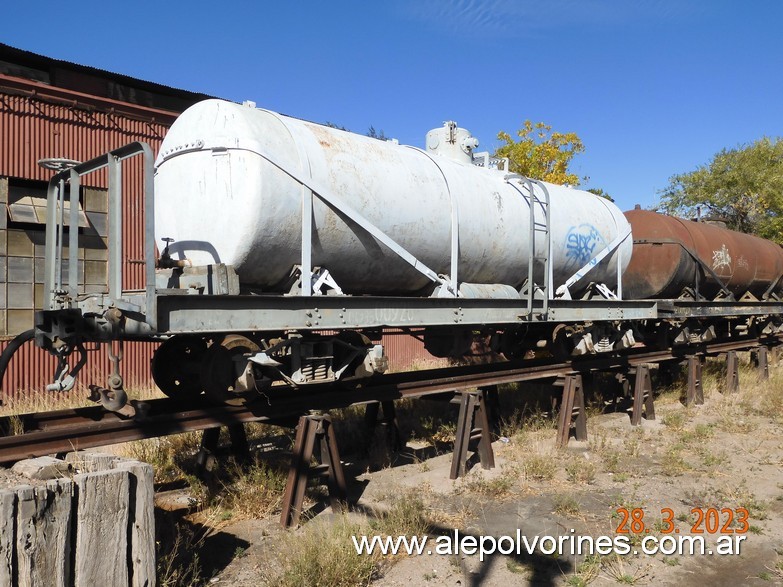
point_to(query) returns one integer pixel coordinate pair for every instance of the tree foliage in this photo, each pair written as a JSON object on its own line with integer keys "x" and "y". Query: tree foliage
{"x": 743, "y": 185}
{"x": 540, "y": 153}
{"x": 376, "y": 134}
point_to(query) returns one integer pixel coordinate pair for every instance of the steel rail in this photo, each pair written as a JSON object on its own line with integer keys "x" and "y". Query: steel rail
{"x": 90, "y": 427}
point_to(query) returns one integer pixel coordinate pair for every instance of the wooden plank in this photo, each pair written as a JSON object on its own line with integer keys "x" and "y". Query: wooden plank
{"x": 467, "y": 409}
{"x": 43, "y": 534}
{"x": 7, "y": 533}
{"x": 695, "y": 394}
{"x": 580, "y": 422}
{"x": 732, "y": 372}
{"x": 566, "y": 411}
{"x": 486, "y": 454}
{"x": 142, "y": 520}
{"x": 642, "y": 396}
{"x": 102, "y": 517}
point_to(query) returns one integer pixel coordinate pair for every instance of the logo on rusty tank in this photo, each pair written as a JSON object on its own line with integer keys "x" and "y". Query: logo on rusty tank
{"x": 721, "y": 258}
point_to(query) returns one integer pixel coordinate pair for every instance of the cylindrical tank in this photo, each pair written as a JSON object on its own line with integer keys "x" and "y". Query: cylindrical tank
{"x": 661, "y": 268}
{"x": 223, "y": 202}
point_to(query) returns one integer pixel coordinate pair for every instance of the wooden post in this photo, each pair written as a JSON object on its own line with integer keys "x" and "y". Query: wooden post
{"x": 472, "y": 407}
{"x": 7, "y": 534}
{"x": 240, "y": 447}
{"x": 43, "y": 534}
{"x": 732, "y": 372}
{"x": 394, "y": 440}
{"x": 760, "y": 359}
{"x": 492, "y": 406}
{"x": 695, "y": 394}
{"x": 142, "y": 521}
{"x": 102, "y": 496}
{"x": 95, "y": 529}
{"x": 643, "y": 402}
{"x": 310, "y": 431}
{"x": 572, "y": 411}
{"x": 205, "y": 458}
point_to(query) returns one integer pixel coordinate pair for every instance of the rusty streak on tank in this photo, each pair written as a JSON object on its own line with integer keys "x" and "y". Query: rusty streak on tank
{"x": 661, "y": 266}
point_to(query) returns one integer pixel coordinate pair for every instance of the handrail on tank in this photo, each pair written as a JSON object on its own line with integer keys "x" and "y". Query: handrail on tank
{"x": 112, "y": 160}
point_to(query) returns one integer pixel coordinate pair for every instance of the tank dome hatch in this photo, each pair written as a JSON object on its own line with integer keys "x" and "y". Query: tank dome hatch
{"x": 453, "y": 142}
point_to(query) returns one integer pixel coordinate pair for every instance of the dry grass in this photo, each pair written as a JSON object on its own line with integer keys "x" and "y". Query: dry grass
{"x": 497, "y": 487}
{"x": 673, "y": 464}
{"x": 617, "y": 568}
{"x": 177, "y": 557}
{"x": 35, "y": 400}
{"x": 166, "y": 454}
{"x": 580, "y": 470}
{"x": 566, "y": 505}
{"x": 540, "y": 467}
{"x": 253, "y": 491}
{"x": 322, "y": 552}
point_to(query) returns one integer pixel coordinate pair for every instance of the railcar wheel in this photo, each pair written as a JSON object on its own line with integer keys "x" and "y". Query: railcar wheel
{"x": 223, "y": 367}
{"x": 176, "y": 365}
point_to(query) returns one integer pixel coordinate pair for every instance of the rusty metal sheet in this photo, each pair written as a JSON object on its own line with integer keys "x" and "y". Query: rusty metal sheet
{"x": 661, "y": 267}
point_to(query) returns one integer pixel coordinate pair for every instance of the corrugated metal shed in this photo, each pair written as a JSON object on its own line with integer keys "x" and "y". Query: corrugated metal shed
{"x": 39, "y": 119}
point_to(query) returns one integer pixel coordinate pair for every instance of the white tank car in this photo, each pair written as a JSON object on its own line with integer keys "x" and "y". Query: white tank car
{"x": 222, "y": 201}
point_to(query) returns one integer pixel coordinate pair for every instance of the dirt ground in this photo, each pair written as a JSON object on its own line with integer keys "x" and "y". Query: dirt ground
{"x": 725, "y": 454}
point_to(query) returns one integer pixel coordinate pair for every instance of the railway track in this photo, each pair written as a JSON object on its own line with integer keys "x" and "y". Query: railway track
{"x": 81, "y": 428}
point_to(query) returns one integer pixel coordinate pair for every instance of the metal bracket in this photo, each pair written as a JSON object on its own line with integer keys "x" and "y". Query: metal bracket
{"x": 563, "y": 290}
{"x": 320, "y": 280}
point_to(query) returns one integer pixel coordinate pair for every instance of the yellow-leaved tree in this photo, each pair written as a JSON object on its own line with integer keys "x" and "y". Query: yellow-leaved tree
{"x": 542, "y": 154}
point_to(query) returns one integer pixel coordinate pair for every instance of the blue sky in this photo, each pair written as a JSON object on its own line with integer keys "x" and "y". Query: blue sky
{"x": 653, "y": 87}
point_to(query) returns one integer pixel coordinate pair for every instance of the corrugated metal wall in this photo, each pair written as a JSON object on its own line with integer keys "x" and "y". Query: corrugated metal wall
{"x": 32, "y": 369}
{"x": 32, "y": 129}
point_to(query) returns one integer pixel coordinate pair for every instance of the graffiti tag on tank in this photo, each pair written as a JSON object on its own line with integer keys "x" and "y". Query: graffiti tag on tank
{"x": 743, "y": 262}
{"x": 583, "y": 242}
{"x": 721, "y": 258}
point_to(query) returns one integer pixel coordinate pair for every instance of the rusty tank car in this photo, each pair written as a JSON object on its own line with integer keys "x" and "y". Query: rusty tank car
{"x": 675, "y": 257}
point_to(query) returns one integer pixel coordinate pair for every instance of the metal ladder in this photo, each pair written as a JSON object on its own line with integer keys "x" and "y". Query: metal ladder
{"x": 538, "y": 229}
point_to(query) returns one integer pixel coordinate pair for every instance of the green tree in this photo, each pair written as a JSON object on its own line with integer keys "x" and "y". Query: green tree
{"x": 542, "y": 154}
{"x": 743, "y": 185}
